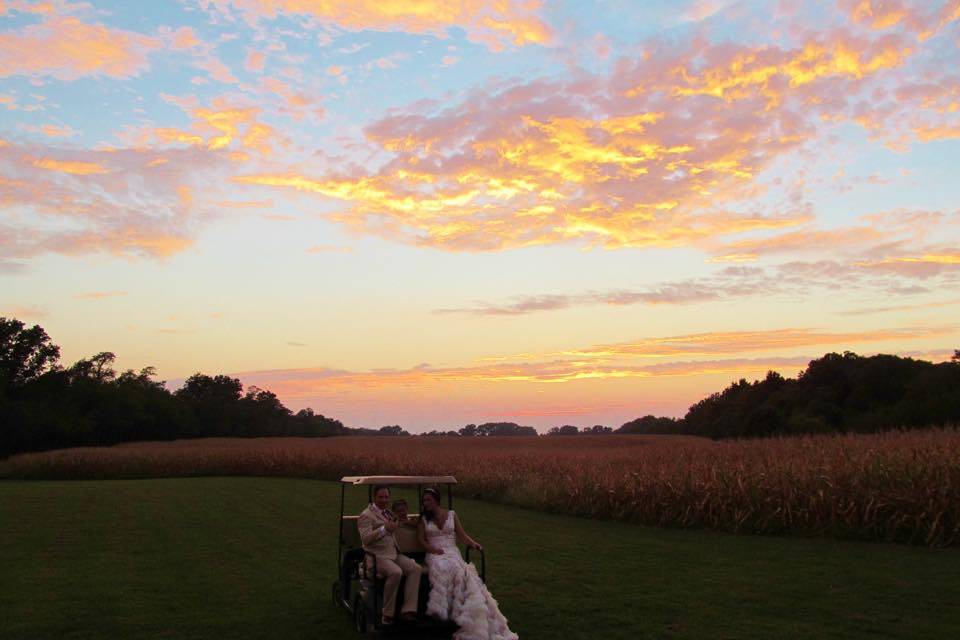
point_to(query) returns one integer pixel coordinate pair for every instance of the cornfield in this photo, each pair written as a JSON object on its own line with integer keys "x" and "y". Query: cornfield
{"x": 896, "y": 486}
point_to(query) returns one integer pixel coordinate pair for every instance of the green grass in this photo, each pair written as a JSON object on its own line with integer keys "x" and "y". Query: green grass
{"x": 254, "y": 558}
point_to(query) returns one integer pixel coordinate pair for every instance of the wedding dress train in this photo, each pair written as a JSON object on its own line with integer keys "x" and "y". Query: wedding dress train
{"x": 456, "y": 591}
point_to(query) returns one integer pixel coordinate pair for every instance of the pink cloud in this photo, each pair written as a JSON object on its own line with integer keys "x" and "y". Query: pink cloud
{"x": 67, "y": 48}
{"x": 664, "y": 151}
{"x": 120, "y": 202}
{"x": 254, "y": 61}
{"x": 184, "y": 38}
{"x": 216, "y": 68}
{"x": 29, "y": 312}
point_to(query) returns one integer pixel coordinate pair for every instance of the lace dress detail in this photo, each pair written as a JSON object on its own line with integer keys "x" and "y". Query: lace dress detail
{"x": 456, "y": 591}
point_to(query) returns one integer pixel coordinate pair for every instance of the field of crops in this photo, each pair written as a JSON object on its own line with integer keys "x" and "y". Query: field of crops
{"x": 898, "y": 486}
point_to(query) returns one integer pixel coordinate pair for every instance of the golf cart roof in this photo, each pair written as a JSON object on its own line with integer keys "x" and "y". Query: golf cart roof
{"x": 395, "y": 480}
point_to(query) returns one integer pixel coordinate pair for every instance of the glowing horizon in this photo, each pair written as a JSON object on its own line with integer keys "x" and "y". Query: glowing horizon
{"x": 440, "y": 213}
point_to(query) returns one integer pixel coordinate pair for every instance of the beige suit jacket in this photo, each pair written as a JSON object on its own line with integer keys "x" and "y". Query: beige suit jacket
{"x": 380, "y": 543}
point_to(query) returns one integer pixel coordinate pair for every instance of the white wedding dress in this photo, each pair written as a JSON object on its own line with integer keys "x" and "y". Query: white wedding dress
{"x": 456, "y": 591}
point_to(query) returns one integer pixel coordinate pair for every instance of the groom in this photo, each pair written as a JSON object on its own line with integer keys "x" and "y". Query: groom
{"x": 377, "y": 526}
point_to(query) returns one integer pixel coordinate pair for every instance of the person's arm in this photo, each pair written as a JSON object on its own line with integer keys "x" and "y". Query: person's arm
{"x": 422, "y": 537}
{"x": 370, "y": 531}
{"x": 462, "y": 534}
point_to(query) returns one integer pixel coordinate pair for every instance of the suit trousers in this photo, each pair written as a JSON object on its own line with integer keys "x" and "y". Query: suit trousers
{"x": 393, "y": 570}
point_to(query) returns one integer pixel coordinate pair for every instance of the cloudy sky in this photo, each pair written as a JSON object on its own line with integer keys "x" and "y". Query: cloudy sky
{"x": 439, "y": 212}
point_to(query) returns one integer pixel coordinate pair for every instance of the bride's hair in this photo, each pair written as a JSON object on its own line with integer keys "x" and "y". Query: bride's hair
{"x": 429, "y": 515}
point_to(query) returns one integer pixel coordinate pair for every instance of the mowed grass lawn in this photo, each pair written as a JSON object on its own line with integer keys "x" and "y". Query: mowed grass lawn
{"x": 255, "y": 557}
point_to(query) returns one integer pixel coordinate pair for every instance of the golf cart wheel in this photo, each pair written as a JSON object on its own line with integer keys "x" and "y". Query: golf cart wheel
{"x": 360, "y": 615}
{"x": 337, "y": 594}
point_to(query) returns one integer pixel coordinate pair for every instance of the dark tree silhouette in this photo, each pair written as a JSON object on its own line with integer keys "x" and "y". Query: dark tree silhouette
{"x": 565, "y": 430}
{"x": 43, "y": 406}
{"x": 650, "y": 425}
{"x": 504, "y": 429}
{"x": 836, "y": 393}
{"x": 25, "y": 353}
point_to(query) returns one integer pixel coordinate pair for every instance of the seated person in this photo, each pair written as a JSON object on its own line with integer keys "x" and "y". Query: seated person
{"x": 402, "y": 513}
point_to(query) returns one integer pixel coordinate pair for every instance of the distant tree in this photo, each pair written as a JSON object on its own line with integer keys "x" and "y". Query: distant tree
{"x": 504, "y": 429}
{"x": 393, "y": 430}
{"x": 565, "y": 430}
{"x": 98, "y": 368}
{"x": 25, "y": 354}
{"x": 597, "y": 430}
{"x": 649, "y": 424}
{"x": 262, "y": 413}
{"x": 308, "y": 423}
{"x": 469, "y": 430}
{"x": 956, "y": 356}
{"x": 214, "y": 403}
{"x": 202, "y": 388}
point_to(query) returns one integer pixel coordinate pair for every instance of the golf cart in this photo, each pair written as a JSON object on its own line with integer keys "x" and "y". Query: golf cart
{"x": 357, "y": 589}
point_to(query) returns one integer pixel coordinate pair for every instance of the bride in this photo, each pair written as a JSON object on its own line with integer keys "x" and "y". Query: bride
{"x": 456, "y": 591}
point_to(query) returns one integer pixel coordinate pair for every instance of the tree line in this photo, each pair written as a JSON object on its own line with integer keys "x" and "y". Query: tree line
{"x": 44, "y": 405}
{"x": 838, "y": 393}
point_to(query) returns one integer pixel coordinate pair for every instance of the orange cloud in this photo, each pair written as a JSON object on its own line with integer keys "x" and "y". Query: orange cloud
{"x": 124, "y": 241}
{"x": 878, "y": 14}
{"x": 57, "y": 131}
{"x": 713, "y": 343}
{"x": 755, "y": 73}
{"x": 331, "y": 383}
{"x": 929, "y": 133}
{"x": 298, "y": 383}
{"x": 498, "y": 24}
{"x": 923, "y": 265}
{"x": 221, "y": 126}
{"x": 546, "y": 181}
{"x": 661, "y": 153}
{"x": 75, "y": 167}
{"x": 67, "y": 49}
{"x": 111, "y": 201}
{"x": 51, "y": 130}
{"x": 902, "y": 307}
{"x": 735, "y": 257}
{"x": 184, "y": 38}
{"x": 805, "y": 240}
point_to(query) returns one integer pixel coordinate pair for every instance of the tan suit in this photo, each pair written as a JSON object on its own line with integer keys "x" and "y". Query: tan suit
{"x": 391, "y": 564}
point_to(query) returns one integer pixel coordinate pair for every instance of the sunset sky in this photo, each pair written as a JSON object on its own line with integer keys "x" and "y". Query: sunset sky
{"x": 436, "y": 212}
